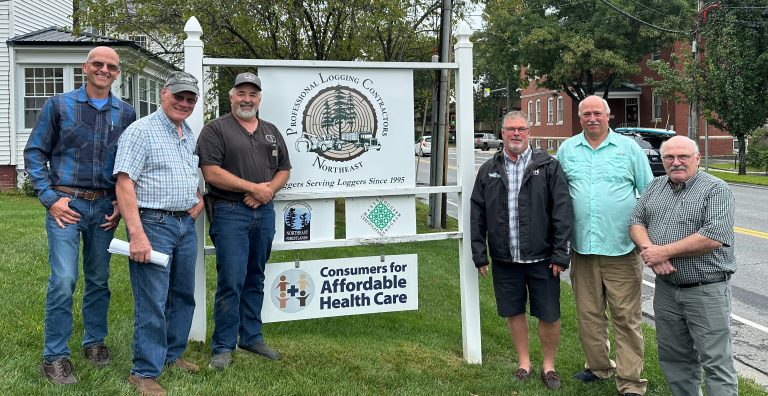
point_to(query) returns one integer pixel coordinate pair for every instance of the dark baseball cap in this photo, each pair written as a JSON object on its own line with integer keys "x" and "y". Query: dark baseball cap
{"x": 180, "y": 81}
{"x": 248, "y": 78}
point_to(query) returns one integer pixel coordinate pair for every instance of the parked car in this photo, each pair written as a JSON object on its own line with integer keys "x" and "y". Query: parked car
{"x": 423, "y": 146}
{"x": 650, "y": 140}
{"x": 485, "y": 141}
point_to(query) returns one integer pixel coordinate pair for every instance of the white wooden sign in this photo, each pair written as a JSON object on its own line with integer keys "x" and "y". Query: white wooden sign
{"x": 338, "y": 287}
{"x": 346, "y": 129}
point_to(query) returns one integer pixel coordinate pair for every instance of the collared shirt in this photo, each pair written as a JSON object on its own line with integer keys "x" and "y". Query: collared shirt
{"x": 604, "y": 184}
{"x": 163, "y": 165}
{"x": 515, "y": 171}
{"x": 704, "y": 204}
{"x": 70, "y": 142}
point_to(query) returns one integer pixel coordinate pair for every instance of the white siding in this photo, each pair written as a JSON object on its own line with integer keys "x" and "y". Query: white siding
{"x": 5, "y": 93}
{"x": 31, "y": 15}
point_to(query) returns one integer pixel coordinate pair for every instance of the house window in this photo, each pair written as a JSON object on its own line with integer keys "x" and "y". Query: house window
{"x": 39, "y": 84}
{"x": 656, "y": 111}
{"x": 550, "y": 111}
{"x": 140, "y": 40}
{"x": 550, "y": 144}
{"x": 149, "y": 94}
{"x": 559, "y": 110}
{"x": 530, "y": 104}
{"x": 538, "y": 143}
{"x": 538, "y": 111}
{"x": 79, "y": 77}
{"x": 656, "y": 55}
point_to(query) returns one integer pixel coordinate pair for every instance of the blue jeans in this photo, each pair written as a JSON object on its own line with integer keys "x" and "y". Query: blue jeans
{"x": 63, "y": 254}
{"x": 243, "y": 240}
{"x": 163, "y": 297}
{"x": 693, "y": 331}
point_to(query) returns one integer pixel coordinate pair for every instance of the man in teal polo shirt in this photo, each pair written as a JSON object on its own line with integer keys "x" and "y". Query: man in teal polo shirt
{"x": 606, "y": 172}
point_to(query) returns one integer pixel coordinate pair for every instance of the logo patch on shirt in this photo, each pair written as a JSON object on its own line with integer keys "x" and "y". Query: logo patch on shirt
{"x": 494, "y": 175}
{"x": 535, "y": 172}
{"x": 270, "y": 138}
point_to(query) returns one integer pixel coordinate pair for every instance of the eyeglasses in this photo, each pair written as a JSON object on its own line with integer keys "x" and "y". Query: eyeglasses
{"x": 513, "y": 129}
{"x": 99, "y": 65}
{"x": 671, "y": 158}
{"x": 181, "y": 98}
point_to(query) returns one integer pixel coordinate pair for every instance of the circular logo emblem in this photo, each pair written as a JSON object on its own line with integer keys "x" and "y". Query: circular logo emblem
{"x": 292, "y": 290}
{"x": 339, "y": 124}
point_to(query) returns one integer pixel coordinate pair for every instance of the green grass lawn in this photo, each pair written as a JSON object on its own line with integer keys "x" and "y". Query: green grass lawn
{"x": 756, "y": 179}
{"x": 401, "y": 353}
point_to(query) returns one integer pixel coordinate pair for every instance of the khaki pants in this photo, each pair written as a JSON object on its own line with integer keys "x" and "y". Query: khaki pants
{"x": 601, "y": 282}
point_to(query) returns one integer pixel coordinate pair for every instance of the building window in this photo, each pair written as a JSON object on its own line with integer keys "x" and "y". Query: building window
{"x": 656, "y": 110}
{"x": 140, "y": 40}
{"x": 40, "y": 83}
{"x": 559, "y": 110}
{"x": 538, "y": 112}
{"x": 530, "y": 104}
{"x": 656, "y": 55}
{"x": 550, "y": 144}
{"x": 550, "y": 111}
{"x": 149, "y": 96}
{"x": 79, "y": 77}
{"x": 538, "y": 143}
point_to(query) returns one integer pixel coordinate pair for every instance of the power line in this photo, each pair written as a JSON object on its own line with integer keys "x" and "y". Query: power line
{"x": 628, "y": 15}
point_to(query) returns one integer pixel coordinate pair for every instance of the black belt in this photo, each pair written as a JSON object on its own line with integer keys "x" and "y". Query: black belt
{"x": 174, "y": 213}
{"x": 89, "y": 195}
{"x": 702, "y": 283}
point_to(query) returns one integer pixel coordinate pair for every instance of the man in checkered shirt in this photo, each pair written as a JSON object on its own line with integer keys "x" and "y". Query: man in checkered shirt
{"x": 156, "y": 169}
{"x": 683, "y": 228}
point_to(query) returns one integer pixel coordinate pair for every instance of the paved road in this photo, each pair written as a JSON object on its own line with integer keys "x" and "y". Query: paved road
{"x": 750, "y": 294}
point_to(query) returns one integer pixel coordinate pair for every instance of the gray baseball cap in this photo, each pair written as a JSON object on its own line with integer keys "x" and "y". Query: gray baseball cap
{"x": 248, "y": 78}
{"x": 180, "y": 81}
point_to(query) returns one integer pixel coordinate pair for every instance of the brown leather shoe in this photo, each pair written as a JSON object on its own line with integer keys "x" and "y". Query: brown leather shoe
{"x": 98, "y": 354}
{"x": 186, "y": 366}
{"x": 59, "y": 372}
{"x": 551, "y": 379}
{"x": 522, "y": 374}
{"x": 146, "y": 386}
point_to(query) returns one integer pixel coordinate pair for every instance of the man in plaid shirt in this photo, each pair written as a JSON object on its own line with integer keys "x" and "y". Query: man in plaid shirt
{"x": 683, "y": 228}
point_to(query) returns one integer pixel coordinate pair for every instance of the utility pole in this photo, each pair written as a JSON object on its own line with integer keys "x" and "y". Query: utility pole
{"x": 693, "y": 125}
{"x": 437, "y": 202}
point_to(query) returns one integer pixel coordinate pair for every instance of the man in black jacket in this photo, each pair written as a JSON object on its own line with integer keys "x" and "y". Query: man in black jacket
{"x": 522, "y": 217}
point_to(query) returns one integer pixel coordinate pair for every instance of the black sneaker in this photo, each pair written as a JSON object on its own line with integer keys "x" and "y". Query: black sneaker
{"x": 586, "y": 376}
{"x": 59, "y": 371}
{"x": 260, "y": 348}
{"x": 98, "y": 354}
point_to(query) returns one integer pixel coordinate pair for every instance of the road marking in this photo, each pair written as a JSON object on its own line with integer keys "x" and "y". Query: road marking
{"x": 733, "y": 316}
{"x": 747, "y": 231}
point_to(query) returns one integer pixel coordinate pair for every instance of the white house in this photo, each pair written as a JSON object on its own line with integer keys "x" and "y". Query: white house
{"x": 40, "y": 57}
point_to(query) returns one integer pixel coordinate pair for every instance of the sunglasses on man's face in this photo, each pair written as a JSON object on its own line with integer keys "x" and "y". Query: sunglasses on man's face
{"x": 181, "y": 98}
{"x": 100, "y": 65}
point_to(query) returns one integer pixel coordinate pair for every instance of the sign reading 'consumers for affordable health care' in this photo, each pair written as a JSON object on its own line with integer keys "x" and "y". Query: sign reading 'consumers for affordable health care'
{"x": 337, "y": 287}
{"x": 346, "y": 129}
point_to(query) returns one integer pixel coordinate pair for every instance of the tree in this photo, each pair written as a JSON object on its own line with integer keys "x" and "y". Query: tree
{"x": 378, "y": 30}
{"x": 757, "y": 156}
{"x": 582, "y": 47}
{"x": 735, "y": 91}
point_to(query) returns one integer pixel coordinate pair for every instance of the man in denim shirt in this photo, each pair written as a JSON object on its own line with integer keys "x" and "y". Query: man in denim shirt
{"x": 65, "y": 160}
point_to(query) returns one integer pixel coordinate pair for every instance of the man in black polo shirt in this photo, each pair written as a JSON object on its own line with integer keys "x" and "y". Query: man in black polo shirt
{"x": 245, "y": 162}
{"x": 683, "y": 227}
